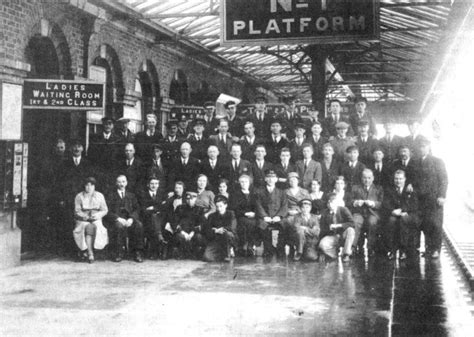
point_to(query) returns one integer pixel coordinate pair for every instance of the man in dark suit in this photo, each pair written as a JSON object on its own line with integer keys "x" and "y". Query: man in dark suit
{"x": 145, "y": 139}
{"x": 185, "y": 168}
{"x": 390, "y": 143}
{"x": 210, "y": 118}
{"x": 236, "y": 124}
{"x": 272, "y": 208}
{"x": 260, "y": 118}
{"x": 361, "y": 114}
{"x": 214, "y": 168}
{"x": 415, "y": 139}
{"x": 171, "y": 143}
{"x": 337, "y": 229}
{"x": 335, "y": 117}
{"x": 198, "y": 141}
{"x": 432, "y": 187}
{"x": 407, "y": 164}
{"x": 275, "y": 142}
{"x": 133, "y": 168}
{"x": 316, "y": 140}
{"x": 156, "y": 168}
{"x": 123, "y": 220}
{"x": 103, "y": 153}
{"x": 352, "y": 169}
{"x": 249, "y": 141}
{"x": 365, "y": 143}
{"x": 260, "y": 166}
{"x": 382, "y": 171}
{"x": 297, "y": 144}
{"x": 220, "y": 232}
{"x": 237, "y": 166}
{"x": 307, "y": 168}
{"x": 330, "y": 168}
{"x": 284, "y": 167}
{"x": 223, "y": 140}
{"x": 366, "y": 201}
{"x": 183, "y": 126}
{"x": 151, "y": 203}
{"x": 124, "y": 132}
{"x": 402, "y": 211}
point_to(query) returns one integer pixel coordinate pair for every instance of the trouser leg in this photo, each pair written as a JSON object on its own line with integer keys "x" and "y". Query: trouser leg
{"x": 389, "y": 234}
{"x": 358, "y": 229}
{"x": 329, "y": 245}
{"x": 372, "y": 232}
{"x": 348, "y": 239}
{"x": 137, "y": 235}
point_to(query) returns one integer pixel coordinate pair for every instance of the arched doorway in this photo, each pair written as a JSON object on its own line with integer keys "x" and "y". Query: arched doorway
{"x": 148, "y": 86}
{"x": 179, "y": 88}
{"x": 49, "y": 58}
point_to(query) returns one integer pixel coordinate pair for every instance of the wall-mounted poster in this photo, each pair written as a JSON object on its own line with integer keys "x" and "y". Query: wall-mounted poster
{"x": 10, "y": 112}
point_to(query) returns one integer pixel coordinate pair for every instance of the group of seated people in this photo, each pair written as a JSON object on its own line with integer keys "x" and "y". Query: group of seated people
{"x": 291, "y": 185}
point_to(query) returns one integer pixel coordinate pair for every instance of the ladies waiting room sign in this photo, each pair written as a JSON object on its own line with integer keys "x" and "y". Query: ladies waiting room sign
{"x": 273, "y": 22}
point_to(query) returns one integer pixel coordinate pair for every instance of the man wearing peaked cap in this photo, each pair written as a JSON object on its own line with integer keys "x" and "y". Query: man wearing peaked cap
{"x": 296, "y": 145}
{"x": 261, "y": 118}
{"x": 361, "y": 114}
{"x": 198, "y": 141}
{"x": 210, "y": 118}
{"x": 183, "y": 127}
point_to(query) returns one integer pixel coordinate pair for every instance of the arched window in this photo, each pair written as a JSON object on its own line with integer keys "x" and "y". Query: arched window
{"x": 179, "y": 88}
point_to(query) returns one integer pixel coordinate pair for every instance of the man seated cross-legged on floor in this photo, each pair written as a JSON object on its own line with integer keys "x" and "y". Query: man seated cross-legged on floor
{"x": 337, "y": 229}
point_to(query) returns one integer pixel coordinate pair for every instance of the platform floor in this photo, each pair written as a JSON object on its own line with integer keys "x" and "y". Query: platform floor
{"x": 54, "y": 297}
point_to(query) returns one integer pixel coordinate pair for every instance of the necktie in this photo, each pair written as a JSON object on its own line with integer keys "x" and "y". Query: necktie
{"x": 334, "y": 218}
{"x": 285, "y": 166}
{"x": 76, "y": 161}
{"x": 404, "y": 163}
{"x": 153, "y": 195}
{"x": 122, "y": 194}
{"x": 235, "y": 165}
{"x": 184, "y": 162}
{"x": 213, "y": 164}
{"x": 128, "y": 163}
{"x": 305, "y": 165}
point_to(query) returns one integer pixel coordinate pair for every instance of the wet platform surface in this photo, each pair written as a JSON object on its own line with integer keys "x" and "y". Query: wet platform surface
{"x": 54, "y": 297}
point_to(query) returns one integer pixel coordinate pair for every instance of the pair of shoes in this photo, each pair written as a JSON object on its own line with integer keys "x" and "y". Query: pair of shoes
{"x": 403, "y": 256}
{"x": 250, "y": 252}
{"x": 346, "y": 258}
{"x": 297, "y": 256}
{"x": 390, "y": 255}
{"x": 435, "y": 255}
{"x": 118, "y": 258}
{"x": 91, "y": 259}
{"x": 138, "y": 256}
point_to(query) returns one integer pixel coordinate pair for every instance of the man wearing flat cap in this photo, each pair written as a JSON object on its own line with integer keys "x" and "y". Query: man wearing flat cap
{"x": 305, "y": 232}
{"x": 341, "y": 142}
{"x": 198, "y": 141}
{"x": 361, "y": 114}
{"x": 272, "y": 208}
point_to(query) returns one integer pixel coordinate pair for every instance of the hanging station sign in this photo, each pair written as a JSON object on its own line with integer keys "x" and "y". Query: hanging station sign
{"x": 270, "y": 22}
{"x": 190, "y": 111}
{"x": 63, "y": 95}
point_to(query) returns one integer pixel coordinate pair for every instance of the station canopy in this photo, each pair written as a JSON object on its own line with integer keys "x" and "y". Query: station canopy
{"x": 398, "y": 67}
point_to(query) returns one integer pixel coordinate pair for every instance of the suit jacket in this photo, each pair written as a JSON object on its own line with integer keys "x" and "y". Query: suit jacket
{"x": 213, "y": 175}
{"x": 352, "y": 175}
{"x": 262, "y": 128}
{"x": 186, "y": 173}
{"x": 249, "y": 149}
{"x": 354, "y": 120}
{"x": 390, "y": 149}
{"x": 412, "y": 171}
{"x": 159, "y": 171}
{"x": 73, "y": 177}
{"x": 432, "y": 179}
{"x": 312, "y": 223}
{"x": 366, "y": 149}
{"x": 342, "y": 216}
{"x": 297, "y": 150}
{"x": 384, "y": 177}
{"x": 407, "y": 202}
{"x": 329, "y": 174}
{"x": 312, "y": 172}
{"x": 259, "y": 174}
{"x": 414, "y": 145}
{"x": 144, "y": 143}
{"x": 233, "y": 175}
{"x": 199, "y": 146}
{"x": 329, "y": 126}
{"x": 122, "y": 208}
{"x": 216, "y": 220}
{"x": 271, "y": 204}
{"x": 170, "y": 150}
{"x": 317, "y": 146}
{"x": 241, "y": 203}
{"x": 211, "y": 126}
{"x": 274, "y": 149}
{"x": 224, "y": 148}
{"x": 145, "y": 200}
{"x": 135, "y": 174}
{"x": 375, "y": 194}
{"x": 104, "y": 152}
{"x": 283, "y": 173}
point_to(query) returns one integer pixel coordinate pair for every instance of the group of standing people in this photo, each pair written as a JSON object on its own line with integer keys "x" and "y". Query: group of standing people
{"x": 215, "y": 187}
